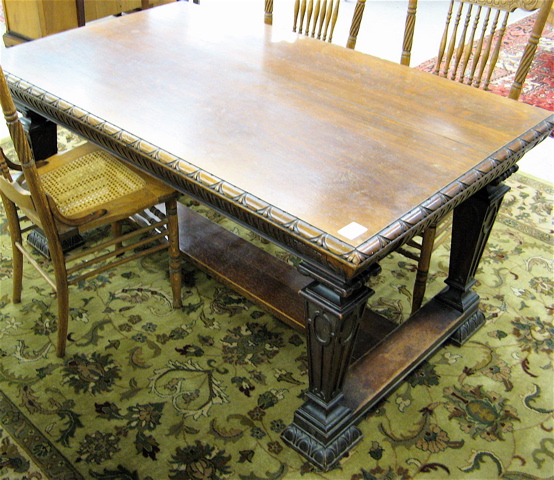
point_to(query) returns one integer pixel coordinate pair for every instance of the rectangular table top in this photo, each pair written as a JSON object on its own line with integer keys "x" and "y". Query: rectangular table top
{"x": 308, "y": 136}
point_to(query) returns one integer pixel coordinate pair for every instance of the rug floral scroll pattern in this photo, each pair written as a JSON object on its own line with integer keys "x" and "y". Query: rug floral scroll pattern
{"x": 149, "y": 392}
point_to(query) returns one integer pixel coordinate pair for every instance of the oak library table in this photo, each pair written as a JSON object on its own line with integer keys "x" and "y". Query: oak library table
{"x": 335, "y": 155}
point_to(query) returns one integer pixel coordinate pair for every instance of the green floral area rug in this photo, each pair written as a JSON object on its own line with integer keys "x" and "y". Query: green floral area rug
{"x": 147, "y": 392}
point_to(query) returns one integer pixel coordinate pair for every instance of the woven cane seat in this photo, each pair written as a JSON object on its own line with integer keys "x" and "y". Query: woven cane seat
{"x": 93, "y": 179}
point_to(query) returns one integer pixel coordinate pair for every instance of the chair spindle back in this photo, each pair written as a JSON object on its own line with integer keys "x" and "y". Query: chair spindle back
{"x": 473, "y": 37}
{"x": 316, "y": 18}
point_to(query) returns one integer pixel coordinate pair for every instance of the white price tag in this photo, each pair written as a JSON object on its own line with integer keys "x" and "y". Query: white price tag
{"x": 352, "y": 230}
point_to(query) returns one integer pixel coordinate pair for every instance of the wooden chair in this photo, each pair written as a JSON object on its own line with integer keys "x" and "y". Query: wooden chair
{"x": 75, "y": 191}
{"x": 472, "y": 40}
{"x": 468, "y": 52}
{"x": 313, "y": 18}
{"x": 316, "y": 18}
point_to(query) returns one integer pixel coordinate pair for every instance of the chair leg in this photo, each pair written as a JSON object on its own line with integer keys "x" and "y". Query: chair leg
{"x": 116, "y": 232}
{"x": 174, "y": 252}
{"x": 17, "y": 264}
{"x": 423, "y": 267}
{"x": 62, "y": 293}
{"x": 63, "y": 319}
{"x": 17, "y": 239}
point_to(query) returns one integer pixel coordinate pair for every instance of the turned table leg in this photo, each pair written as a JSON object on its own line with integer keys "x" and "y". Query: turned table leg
{"x": 473, "y": 221}
{"x": 322, "y": 429}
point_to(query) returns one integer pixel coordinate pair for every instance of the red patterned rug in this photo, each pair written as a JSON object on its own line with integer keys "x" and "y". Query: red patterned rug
{"x": 538, "y": 89}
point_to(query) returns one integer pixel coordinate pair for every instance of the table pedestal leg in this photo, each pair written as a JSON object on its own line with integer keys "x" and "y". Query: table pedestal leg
{"x": 322, "y": 430}
{"x": 473, "y": 221}
{"x": 42, "y": 134}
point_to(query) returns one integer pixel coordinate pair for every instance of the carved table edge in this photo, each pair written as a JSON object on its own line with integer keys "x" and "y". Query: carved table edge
{"x": 349, "y": 260}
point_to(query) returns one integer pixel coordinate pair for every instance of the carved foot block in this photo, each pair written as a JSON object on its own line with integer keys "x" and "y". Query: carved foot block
{"x": 468, "y": 328}
{"x": 322, "y": 434}
{"x": 322, "y": 455}
{"x": 467, "y": 303}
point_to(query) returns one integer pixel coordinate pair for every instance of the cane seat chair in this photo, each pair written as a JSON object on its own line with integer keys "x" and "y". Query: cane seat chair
{"x": 469, "y": 51}
{"x": 73, "y": 192}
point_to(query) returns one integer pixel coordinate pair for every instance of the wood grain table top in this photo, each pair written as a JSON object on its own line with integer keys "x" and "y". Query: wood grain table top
{"x": 310, "y": 136}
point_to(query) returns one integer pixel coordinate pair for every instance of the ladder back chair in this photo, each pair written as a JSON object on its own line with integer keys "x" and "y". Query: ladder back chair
{"x": 469, "y": 50}
{"x": 73, "y": 192}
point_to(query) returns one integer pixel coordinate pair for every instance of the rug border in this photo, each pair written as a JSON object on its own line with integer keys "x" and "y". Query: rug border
{"x": 23, "y": 432}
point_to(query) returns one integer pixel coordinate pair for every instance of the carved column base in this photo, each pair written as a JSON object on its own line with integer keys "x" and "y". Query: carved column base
{"x": 323, "y": 435}
{"x": 469, "y": 305}
{"x": 468, "y": 328}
